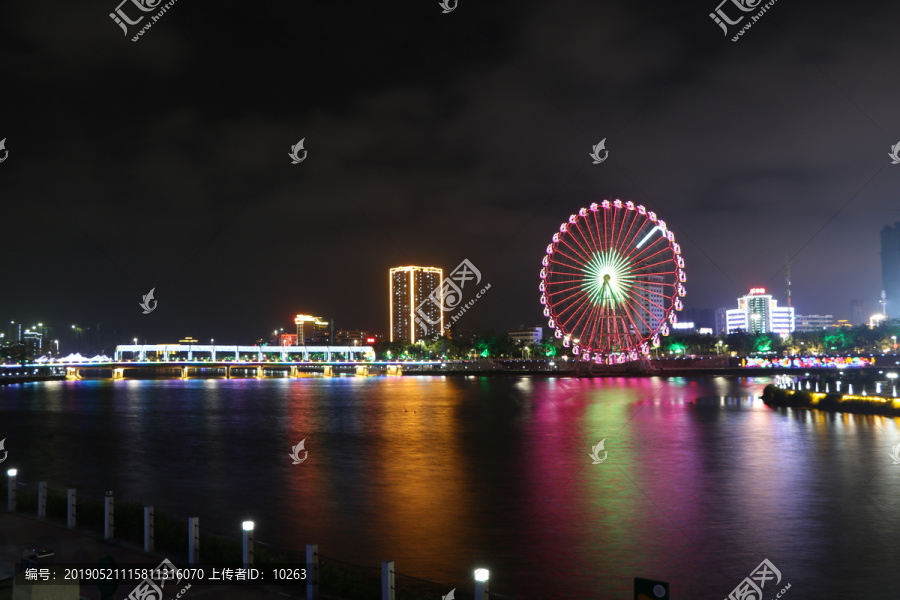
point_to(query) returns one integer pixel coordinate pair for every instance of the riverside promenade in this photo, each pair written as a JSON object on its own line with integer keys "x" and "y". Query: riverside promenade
{"x": 75, "y": 546}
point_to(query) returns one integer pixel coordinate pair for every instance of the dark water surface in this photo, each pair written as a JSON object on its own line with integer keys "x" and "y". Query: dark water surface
{"x": 701, "y": 483}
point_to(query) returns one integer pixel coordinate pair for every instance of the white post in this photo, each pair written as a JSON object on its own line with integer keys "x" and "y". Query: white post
{"x": 312, "y": 563}
{"x": 481, "y": 584}
{"x": 109, "y": 520}
{"x": 148, "y": 529}
{"x": 72, "y": 497}
{"x": 42, "y": 499}
{"x": 11, "y": 497}
{"x": 878, "y": 388}
{"x": 247, "y": 526}
{"x": 387, "y": 580}
{"x": 193, "y": 540}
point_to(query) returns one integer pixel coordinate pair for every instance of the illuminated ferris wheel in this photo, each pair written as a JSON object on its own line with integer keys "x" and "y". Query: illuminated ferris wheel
{"x": 611, "y": 282}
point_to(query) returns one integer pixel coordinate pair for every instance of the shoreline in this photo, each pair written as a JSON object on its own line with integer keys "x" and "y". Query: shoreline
{"x": 776, "y": 397}
{"x": 607, "y": 371}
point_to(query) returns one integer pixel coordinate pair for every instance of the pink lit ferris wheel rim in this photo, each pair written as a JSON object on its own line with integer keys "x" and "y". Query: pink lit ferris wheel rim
{"x": 611, "y": 282}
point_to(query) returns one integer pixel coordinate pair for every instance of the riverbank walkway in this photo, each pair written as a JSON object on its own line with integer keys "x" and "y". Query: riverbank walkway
{"x": 76, "y": 546}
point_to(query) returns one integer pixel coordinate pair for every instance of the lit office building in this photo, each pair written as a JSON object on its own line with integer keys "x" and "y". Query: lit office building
{"x": 890, "y": 269}
{"x": 311, "y": 330}
{"x": 414, "y": 312}
{"x": 813, "y": 322}
{"x": 758, "y": 312}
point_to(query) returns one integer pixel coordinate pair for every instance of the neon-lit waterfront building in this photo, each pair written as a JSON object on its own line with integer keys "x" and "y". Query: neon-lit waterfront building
{"x": 413, "y": 315}
{"x": 758, "y": 312}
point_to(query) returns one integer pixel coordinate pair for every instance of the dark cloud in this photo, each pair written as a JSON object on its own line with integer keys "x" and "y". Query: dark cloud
{"x": 431, "y": 138}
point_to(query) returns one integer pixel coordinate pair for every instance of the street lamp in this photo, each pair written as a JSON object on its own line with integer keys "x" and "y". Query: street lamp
{"x": 481, "y": 584}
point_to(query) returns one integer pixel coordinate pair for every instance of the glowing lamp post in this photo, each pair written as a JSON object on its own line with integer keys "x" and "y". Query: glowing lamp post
{"x": 247, "y": 526}
{"x": 481, "y": 584}
{"x": 11, "y": 504}
{"x": 893, "y": 378}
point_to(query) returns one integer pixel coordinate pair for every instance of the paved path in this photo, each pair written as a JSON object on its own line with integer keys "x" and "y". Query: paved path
{"x": 78, "y": 546}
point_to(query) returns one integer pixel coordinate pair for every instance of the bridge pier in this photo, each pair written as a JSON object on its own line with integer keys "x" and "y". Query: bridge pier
{"x": 295, "y": 372}
{"x": 394, "y": 370}
{"x": 184, "y": 372}
{"x": 362, "y": 370}
{"x": 259, "y": 372}
{"x": 73, "y": 373}
{"x": 118, "y": 374}
{"x": 329, "y": 371}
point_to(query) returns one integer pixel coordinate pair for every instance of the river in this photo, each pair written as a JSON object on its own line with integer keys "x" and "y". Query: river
{"x": 699, "y": 480}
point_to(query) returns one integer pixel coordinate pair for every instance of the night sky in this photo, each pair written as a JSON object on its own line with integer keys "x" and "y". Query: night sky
{"x": 431, "y": 138}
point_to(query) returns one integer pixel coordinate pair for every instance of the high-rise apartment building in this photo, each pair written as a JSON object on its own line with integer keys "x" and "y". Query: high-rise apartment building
{"x": 652, "y": 302}
{"x": 416, "y": 301}
{"x": 758, "y": 312}
{"x": 721, "y": 326}
{"x": 858, "y": 312}
{"x": 890, "y": 269}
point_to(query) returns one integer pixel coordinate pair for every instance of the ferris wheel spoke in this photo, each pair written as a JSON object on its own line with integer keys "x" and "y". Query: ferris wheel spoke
{"x": 638, "y": 313}
{"x": 576, "y": 251}
{"x": 585, "y": 243}
{"x": 624, "y": 234}
{"x": 577, "y": 314}
{"x": 640, "y": 235}
{"x": 656, "y": 259}
{"x": 572, "y": 262}
{"x": 570, "y": 304}
{"x": 646, "y": 256}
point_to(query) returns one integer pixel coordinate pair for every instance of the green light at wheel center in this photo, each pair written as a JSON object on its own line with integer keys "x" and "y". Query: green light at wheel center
{"x": 606, "y": 276}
